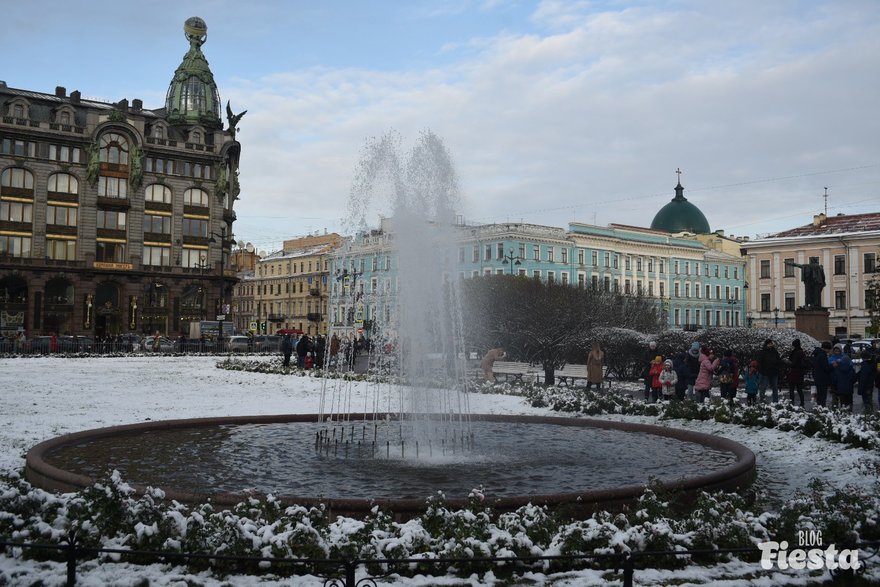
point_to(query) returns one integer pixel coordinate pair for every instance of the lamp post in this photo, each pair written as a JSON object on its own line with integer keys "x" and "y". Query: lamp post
{"x": 512, "y": 259}
{"x": 776, "y": 317}
{"x": 223, "y": 308}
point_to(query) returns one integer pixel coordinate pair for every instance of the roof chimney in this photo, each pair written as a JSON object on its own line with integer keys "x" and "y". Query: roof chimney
{"x": 60, "y": 91}
{"x": 74, "y": 97}
{"x": 819, "y": 219}
{"x": 123, "y": 104}
{"x": 137, "y": 104}
{"x": 2, "y": 85}
{"x": 719, "y": 232}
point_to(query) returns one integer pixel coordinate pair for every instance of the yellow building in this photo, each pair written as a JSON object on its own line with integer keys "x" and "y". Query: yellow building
{"x": 289, "y": 288}
{"x": 847, "y": 248}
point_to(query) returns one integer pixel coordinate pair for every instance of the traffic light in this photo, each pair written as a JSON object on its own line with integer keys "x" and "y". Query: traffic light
{"x": 263, "y": 328}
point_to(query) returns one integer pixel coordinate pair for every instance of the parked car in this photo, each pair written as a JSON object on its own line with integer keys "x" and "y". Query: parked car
{"x": 166, "y": 345}
{"x": 239, "y": 344}
{"x": 267, "y": 344}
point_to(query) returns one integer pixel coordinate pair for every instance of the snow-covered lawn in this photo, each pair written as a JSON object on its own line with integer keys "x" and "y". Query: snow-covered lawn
{"x": 45, "y": 397}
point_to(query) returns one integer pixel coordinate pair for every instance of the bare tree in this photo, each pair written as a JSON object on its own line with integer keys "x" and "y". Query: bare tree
{"x": 545, "y": 323}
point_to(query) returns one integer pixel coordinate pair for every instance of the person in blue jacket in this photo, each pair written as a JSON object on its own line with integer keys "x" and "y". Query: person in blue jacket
{"x": 843, "y": 376}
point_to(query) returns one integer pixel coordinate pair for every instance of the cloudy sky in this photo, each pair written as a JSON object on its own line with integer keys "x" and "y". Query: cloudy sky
{"x": 552, "y": 111}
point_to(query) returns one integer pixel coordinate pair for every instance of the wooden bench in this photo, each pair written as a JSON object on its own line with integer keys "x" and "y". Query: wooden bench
{"x": 515, "y": 370}
{"x": 570, "y": 373}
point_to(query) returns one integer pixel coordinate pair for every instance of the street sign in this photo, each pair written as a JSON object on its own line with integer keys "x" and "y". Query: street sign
{"x": 252, "y": 325}
{"x": 221, "y": 316}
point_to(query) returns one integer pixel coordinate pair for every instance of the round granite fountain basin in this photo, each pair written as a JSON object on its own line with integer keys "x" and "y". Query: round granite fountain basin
{"x": 577, "y": 463}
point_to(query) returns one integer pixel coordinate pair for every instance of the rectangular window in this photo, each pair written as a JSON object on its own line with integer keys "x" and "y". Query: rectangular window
{"x": 840, "y": 300}
{"x": 617, "y": 261}
{"x": 157, "y": 256}
{"x": 871, "y": 300}
{"x": 194, "y": 258}
{"x": 789, "y": 301}
{"x": 536, "y": 274}
{"x": 112, "y": 187}
{"x": 736, "y": 272}
{"x": 639, "y": 264}
{"x": 607, "y": 284}
{"x": 16, "y": 211}
{"x": 839, "y": 264}
{"x": 15, "y": 246}
{"x": 62, "y": 250}
{"x": 765, "y": 269}
{"x": 499, "y": 251}
{"x": 460, "y": 256}
{"x": 717, "y": 292}
{"x": 676, "y": 268}
{"x": 626, "y": 287}
{"x": 594, "y": 282}
{"x": 476, "y": 254}
{"x": 716, "y": 275}
{"x": 687, "y": 268}
{"x": 788, "y": 270}
{"x": 564, "y": 252}
{"x": 650, "y": 265}
{"x": 550, "y": 254}
{"x": 708, "y": 292}
{"x": 765, "y": 302}
{"x": 662, "y": 266}
{"x": 697, "y": 269}
{"x": 487, "y": 253}
{"x": 522, "y": 251}
{"x": 687, "y": 290}
{"x": 195, "y": 227}
{"x": 61, "y": 215}
{"x": 627, "y": 263}
{"x": 662, "y": 289}
{"x": 676, "y": 290}
{"x": 727, "y": 275}
{"x": 677, "y": 314}
{"x": 581, "y": 257}
{"x": 650, "y": 288}
{"x": 708, "y": 317}
{"x": 687, "y": 316}
{"x": 157, "y": 224}
{"x": 870, "y": 262}
{"x": 536, "y": 253}
{"x": 374, "y": 263}
{"x": 563, "y": 278}
{"x": 111, "y": 219}
{"x": 110, "y": 252}
{"x": 717, "y": 317}
{"x": 582, "y": 280}
{"x": 727, "y": 292}
{"x": 594, "y": 258}
{"x": 607, "y": 259}
{"x": 551, "y": 277}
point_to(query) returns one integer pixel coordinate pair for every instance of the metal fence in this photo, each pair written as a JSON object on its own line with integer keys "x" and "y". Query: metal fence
{"x": 344, "y": 572}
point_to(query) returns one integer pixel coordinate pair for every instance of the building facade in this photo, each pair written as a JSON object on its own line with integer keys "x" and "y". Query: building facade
{"x": 846, "y": 246}
{"x": 694, "y": 286}
{"x": 115, "y": 218}
{"x": 289, "y": 289}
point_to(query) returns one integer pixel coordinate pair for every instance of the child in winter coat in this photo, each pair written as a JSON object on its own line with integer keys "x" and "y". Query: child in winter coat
{"x": 751, "y": 379}
{"x": 668, "y": 378}
{"x": 308, "y": 362}
{"x": 654, "y": 373}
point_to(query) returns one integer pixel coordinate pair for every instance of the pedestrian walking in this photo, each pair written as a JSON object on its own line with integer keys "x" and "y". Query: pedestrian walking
{"x": 821, "y": 372}
{"x": 595, "y": 366}
{"x": 769, "y": 363}
{"x": 797, "y": 366}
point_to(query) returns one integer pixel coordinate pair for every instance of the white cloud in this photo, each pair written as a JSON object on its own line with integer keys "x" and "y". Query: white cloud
{"x": 592, "y": 118}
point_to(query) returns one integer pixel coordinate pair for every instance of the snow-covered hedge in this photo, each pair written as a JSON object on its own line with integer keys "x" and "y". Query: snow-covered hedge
{"x": 862, "y": 431}
{"x": 110, "y": 515}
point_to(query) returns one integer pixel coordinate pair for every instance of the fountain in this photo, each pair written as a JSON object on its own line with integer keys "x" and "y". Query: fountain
{"x": 397, "y": 440}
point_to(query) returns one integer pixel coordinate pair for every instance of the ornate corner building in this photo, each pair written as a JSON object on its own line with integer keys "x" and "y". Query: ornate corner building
{"x": 115, "y": 218}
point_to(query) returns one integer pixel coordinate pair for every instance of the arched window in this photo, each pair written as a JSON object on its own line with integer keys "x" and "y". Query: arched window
{"x": 196, "y": 137}
{"x": 18, "y": 111}
{"x": 63, "y": 183}
{"x": 159, "y": 131}
{"x": 114, "y": 149}
{"x": 193, "y": 96}
{"x": 65, "y": 118}
{"x": 195, "y": 197}
{"x": 17, "y": 178}
{"x": 158, "y": 193}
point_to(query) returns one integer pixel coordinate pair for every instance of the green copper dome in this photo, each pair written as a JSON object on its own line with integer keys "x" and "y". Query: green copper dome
{"x": 679, "y": 215}
{"x": 192, "y": 96}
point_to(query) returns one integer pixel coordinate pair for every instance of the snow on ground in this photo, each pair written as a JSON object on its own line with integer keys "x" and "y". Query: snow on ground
{"x": 45, "y": 397}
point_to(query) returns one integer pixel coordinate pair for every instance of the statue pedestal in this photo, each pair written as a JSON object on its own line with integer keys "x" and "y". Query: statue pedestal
{"x": 813, "y": 322}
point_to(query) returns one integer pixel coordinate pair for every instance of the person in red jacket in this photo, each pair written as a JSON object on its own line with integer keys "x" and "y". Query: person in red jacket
{"x": 654, "y": 372}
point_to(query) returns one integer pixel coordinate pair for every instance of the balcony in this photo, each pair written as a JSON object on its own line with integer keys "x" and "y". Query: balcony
{"x": 314, "y": 317}
{"x": 314, "y": 291}
{"x": 277, "y": 317}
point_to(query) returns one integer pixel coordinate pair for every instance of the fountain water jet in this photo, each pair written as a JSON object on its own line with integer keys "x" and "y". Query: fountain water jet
{"x": 423, "y": 342}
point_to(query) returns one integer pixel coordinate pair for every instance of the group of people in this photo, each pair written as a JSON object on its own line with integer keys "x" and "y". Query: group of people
{"x": 309, "y": 351}
{"x": 694, "y": 373}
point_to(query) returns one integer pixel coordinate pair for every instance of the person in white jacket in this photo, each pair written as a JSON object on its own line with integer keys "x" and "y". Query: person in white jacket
{"x": 668, "y": 379}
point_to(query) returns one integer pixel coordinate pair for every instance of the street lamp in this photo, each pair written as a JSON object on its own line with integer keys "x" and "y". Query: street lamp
{"x": 776, "y": 317}
{"x": 513, "y": 260}
{"x": 223, "y": 309}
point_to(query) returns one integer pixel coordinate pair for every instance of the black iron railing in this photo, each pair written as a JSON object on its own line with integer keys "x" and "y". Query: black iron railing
{"x": 339, "y": 572}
